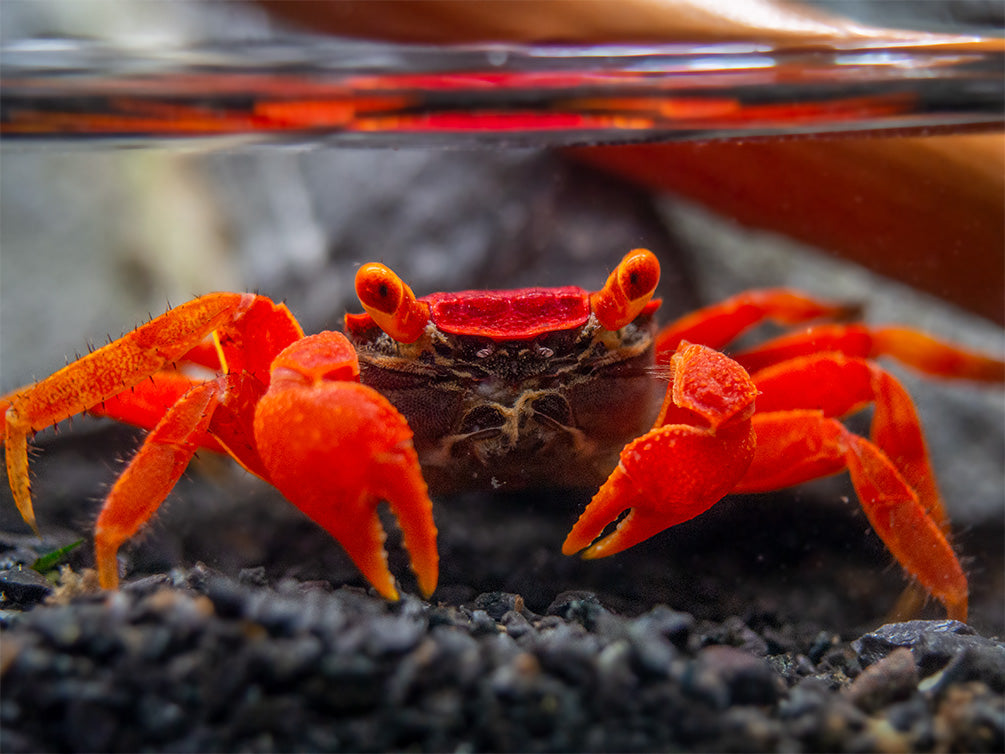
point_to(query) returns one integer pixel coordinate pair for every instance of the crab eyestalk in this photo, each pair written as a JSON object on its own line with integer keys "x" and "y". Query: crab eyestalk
{"x": 391, "y": 303}
{"x": 628, "y": 289}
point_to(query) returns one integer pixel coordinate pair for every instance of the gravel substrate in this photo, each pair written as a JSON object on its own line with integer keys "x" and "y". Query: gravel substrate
{"x": 755, "y": 627}
{"x": 196, "y": 661}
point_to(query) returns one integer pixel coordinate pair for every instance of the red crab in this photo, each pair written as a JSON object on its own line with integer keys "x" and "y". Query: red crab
{"x": 537, "y": 386}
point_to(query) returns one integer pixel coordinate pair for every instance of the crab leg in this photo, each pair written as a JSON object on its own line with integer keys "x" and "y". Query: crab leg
{"x": 244, "y": 348}
{"x": 336, "y": 448}
{"x": 719, "y": 324}
{"x": 143, "y": 404}
{"x": 838, "y": 385}
{"x": 798, "y": 439}
{"x": 922, "y": 352}
{"x": 151, "y": 475}
{"x": 699, "y": 448}
{"x": 103, "y": 373}
{"x": 795, "y": 446}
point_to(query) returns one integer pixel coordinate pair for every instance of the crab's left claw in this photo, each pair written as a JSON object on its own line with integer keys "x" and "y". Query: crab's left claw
{"x": 336, "y": 448}
{"x": 699, "y": 449}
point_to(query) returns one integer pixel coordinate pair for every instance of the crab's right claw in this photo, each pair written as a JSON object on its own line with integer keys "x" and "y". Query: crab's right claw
{"x": 699, "y": 449}
{"x": 336, "y": 448}
{"x": 666, "y": 477}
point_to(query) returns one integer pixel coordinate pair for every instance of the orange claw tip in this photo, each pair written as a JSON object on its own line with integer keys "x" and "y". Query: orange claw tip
{"x": 391, "y": 303}
{"x": 364, "y": 544}
{"x": 637, "y": 526}
{"x": 617, "y": 495}
{"x": 628, "y": 289}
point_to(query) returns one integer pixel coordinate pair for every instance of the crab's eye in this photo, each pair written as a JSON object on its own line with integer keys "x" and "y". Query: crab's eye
{"x": 628, "y": 289}
{"x": 391, "y": 303}
{"x": 378, "y": 288}
{"x": 638, "y": 275}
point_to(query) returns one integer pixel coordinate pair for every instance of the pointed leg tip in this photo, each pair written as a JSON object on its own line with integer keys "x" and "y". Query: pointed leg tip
{"x": 27, "y": 512}
{"x": 427, "y": 582}
{"x": 388, "y": 593}
{"x": 957, "y": 609}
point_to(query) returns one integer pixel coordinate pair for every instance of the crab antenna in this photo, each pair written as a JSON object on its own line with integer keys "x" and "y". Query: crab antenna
{"x": 391, "y": 303}
{"x": 627, "y": 290}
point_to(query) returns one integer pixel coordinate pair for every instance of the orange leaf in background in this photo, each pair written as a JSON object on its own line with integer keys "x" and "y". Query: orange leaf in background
{"x": 929, "y": 211}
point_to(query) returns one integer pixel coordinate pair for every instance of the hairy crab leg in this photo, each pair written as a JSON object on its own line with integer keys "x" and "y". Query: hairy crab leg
{"x": 915, "y": 349}
{"x": 103, "y": 373}
{"x": 143, "y": 405}
{"x": 717, "y": 325}
{"x": 151, "y": 475}
{"x": 699, "y": 448}
{"x": 244, "y": 349}
{"x": 831, "y": 385}
{"x": 336, "y": 448}
{"x": 838, "y": 385}
{"x": 798, "y": 445}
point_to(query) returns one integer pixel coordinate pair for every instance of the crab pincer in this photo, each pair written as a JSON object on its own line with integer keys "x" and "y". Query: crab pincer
{"x": 336, "y": 448}
{"x": 700, "y": 446}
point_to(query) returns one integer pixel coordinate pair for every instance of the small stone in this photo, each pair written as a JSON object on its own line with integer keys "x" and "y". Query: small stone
{"x": 805, "y": 698}
{"x": 615, "y": 680}
{"x": 228, "y": 597}
{"x": 652, "y": 652}
{"x": 253, "y": 576}
{"x": 393, "y": 634}
{"x": 735, "y": 632}
{"x": 946, "y": 645}
{"x": 354, "y": 684}
{"x": 516, "y": 624}
{"x": 497, "y": 604}
{"x": 880, "y": 736}
{"x": 821, "y": 645}
{"x": 147, "y": 585}
{"x": 579, "y": 606}
{"x": 569, "y": 655}
{"x": 482, "y": 623}
{"x": 729, "y": 676}
{"x": 970, "y": 718}
{"x": 673, "y": 625}
{"x": 894, "y": 678}
{"x": 23, "y": 586}
{"x": 877, "y": 644}
{"x": 979, "y": 662}
{"x": 515, "y": 677}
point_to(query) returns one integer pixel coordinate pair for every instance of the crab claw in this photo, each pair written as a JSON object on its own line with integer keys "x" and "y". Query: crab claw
{"x": 336, "y": 448}
{"x": 666, "y": 477}
{"x": 701, "y": 447}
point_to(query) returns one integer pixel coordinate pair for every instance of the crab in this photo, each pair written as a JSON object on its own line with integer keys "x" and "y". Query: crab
{"x": 525, "y": 388}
